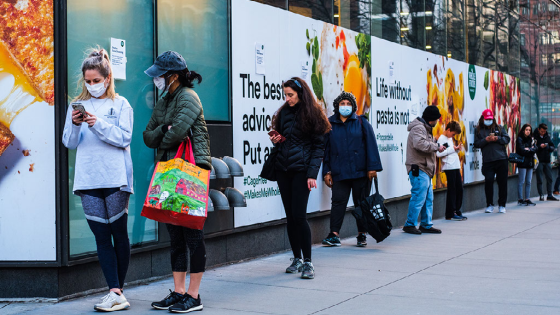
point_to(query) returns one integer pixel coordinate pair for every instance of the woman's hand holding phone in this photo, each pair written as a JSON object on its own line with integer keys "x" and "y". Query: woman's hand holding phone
{"x": 275, "y": 137}
{"x": 77, "y": 117}
{"x": 91, "y": 119}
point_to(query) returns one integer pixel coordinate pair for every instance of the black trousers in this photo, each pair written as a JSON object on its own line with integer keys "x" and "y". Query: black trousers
{"x": 546, "y": 170}
{"x": 295, "y": 195}
{"x": 360, "y": 188}
{"x": 454, "y": 193}
{"x": 499, "y": 169}
{"x": 181, "y": 238}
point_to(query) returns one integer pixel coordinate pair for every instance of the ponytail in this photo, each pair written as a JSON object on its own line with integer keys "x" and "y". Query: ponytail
{"x": 97, "y": 59}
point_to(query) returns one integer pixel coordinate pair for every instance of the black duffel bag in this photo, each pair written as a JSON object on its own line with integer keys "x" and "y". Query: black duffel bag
{"x": 515, "y": 158}
{"x": 268, "y": 171}
{"x": 374, "y": 215}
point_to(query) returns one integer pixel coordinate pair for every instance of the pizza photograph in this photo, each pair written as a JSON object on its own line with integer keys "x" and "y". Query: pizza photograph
{"x": 26, "y": 60}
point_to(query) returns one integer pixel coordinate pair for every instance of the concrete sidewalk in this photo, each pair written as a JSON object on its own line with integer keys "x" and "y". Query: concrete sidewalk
{"x": 490, "y": 264}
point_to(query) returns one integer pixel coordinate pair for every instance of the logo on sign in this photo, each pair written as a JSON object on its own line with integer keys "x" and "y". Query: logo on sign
{"x": 472, "y": 81}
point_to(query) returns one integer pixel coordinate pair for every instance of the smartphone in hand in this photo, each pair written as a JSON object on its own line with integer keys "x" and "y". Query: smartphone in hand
{"x": 79, "y": 107}
{"x": 274, "y": 133}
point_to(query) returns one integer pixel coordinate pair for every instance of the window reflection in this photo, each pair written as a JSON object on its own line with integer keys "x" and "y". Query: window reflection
{"x": 353, "y": 14}
{"x": 316, "y": 9}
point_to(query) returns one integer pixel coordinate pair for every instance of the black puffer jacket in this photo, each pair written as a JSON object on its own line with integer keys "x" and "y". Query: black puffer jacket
{"x": 300, "y": 152}
{"x": 543, "y": 153}
{"x": 525, "y": 143}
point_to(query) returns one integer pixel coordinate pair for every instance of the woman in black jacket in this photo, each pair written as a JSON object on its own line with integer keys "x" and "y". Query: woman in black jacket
{"x": 351, "y": 162}
{"x": 525, "y": 147}
{"x": 492, "y": 139}
{"x": 302, "y": 125}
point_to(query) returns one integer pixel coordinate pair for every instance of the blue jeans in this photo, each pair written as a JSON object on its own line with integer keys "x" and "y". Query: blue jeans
{"x": 524, "y": 178}
{"x": 421, "y": 201}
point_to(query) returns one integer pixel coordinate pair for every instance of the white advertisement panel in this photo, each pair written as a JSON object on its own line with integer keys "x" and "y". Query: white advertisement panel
{"x": 27, "y": 141}
{"x": 392, "y": 83}
{"x": 327, "y": 57}
{"x": 399, "y": 96}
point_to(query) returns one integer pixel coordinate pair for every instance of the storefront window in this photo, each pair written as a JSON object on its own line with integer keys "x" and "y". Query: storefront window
{"x": 354, "y": 15}
{"x": 317, "y": 9}
{"x": 198, "y": 30}
{"x": 385, "y": 20}
{"x": 282, "y": 4}
{"x": 95, "y": 23}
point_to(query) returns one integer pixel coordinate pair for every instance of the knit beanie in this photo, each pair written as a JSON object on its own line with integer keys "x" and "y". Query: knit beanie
{"x": 345, "y": 96}
{"x": 431, "y": 113}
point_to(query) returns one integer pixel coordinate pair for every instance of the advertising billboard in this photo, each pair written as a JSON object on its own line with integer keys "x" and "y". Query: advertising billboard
{"x": 392, "y": 83}
{"x": 27, "y": 147}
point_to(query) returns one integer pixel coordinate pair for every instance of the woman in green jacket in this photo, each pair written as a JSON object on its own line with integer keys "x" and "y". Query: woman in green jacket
{"x": 179, "y": 114}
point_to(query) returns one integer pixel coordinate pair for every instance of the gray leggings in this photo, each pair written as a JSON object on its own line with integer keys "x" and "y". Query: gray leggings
{"x": 524, "y": 179}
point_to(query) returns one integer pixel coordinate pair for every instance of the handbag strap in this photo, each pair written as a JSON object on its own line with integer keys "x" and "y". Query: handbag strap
{"x": 185, "y": 149}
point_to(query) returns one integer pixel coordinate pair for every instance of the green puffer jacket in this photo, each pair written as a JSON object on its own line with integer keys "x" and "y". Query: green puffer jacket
{"x": 183, "y": 111}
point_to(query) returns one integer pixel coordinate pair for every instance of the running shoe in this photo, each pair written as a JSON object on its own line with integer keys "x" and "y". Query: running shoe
{"x": 331, "y": 240}
{"x": 187, "y": 304}
{"x": 296, "y": 266}
{"x": 172, "y": 298}
{"x": 361, "y": 240}
{"x": 308, "y": 271}
{"x": 112, "y": 302}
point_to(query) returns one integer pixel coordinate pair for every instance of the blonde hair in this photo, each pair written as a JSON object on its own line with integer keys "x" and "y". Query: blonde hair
{"x": 97, "y": 59}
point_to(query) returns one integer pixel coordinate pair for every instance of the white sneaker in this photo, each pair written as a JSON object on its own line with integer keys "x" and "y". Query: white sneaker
{"x": 490, "y": 209}
{"x": 502, "y": 210}
{"x": 112, "y": 302}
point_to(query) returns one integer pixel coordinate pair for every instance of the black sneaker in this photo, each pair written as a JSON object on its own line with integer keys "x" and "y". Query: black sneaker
{"x": 169, "y": 300}
{"x": 521, "y": 202}
{"x": 361, "y": 240}
{"x": 296, "y": 266}
{"x": 331, "y": 240}
{"x": 411, "y": 230}
{"x": 551, "y": 198}
{"x": 187, "y": 305}
{"x": 308, "y": 271}
{"x": 541, "y": 198}
{"x": 528, "y": 202}
{"x": 430, "y": 230}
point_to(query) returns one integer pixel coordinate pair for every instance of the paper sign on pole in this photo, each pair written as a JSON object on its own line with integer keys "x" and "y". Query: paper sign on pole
{"x": 118, "y": 58}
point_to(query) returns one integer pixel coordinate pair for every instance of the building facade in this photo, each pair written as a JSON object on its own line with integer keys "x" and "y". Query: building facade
{"x": 460, "y": 55}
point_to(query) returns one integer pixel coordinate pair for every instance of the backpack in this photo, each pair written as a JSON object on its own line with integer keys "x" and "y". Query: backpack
{"x": 374, "y": 215}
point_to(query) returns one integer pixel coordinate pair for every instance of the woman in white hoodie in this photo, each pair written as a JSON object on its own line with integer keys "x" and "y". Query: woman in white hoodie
{"x": 451, "y": 165}
{"x": 103, "y": 170}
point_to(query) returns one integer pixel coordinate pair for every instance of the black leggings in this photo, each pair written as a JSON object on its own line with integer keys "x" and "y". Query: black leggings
{"x": 181, "y": 238}
{"x": 454, "y": 193}
{"x": 295, "y": 194}
{"x": 113, "y": 259}
{"x": 500, "y": 170}
{"x": 360, "y": 188}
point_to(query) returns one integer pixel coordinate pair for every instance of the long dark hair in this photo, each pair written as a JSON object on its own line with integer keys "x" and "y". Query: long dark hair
{"x": 186, "y": 77}
{"x": 311, "y": 117}
{"x": 521, "y": 133}
{"x": 482, "y": 125}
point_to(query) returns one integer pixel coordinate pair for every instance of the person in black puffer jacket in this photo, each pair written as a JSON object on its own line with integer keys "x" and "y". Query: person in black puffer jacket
{"x": 302, "y": 126}
{"x": 525, "y": 147}
{"x": 545, "y": 146}
{"x": 492, "y": 139}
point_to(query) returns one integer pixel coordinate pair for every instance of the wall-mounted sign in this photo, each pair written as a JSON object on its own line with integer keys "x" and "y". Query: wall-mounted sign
{"x": 118, "y": 58}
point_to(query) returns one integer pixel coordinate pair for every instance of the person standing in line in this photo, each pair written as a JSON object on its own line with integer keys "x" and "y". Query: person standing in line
{"x": 420, "y": 163}
{"x": 177, "y": 115}
{"x": 302, "y": 125}
{"x": 452, "y": 169}
{"x": 557, "y": 182}
{"x": 350, "y": 163}
{"x": 103, "y": 176}
{"x": 492, "y": 139}
{"x": 525, "y": 147}
{"x": 545, "y": 147}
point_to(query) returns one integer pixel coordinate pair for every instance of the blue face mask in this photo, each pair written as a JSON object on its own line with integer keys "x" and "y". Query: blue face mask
{"x": 488, "y": 122}
{"x": 345, "y": 110}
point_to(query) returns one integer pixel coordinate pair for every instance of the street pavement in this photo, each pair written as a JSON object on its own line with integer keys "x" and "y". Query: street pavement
{"x": 490, "y": 264}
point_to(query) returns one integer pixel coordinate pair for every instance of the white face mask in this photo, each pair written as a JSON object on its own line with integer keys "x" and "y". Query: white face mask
{"x": 160, "y": 84}
{"x": 488, "y": 122}
{"x": 96, "y": 90}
